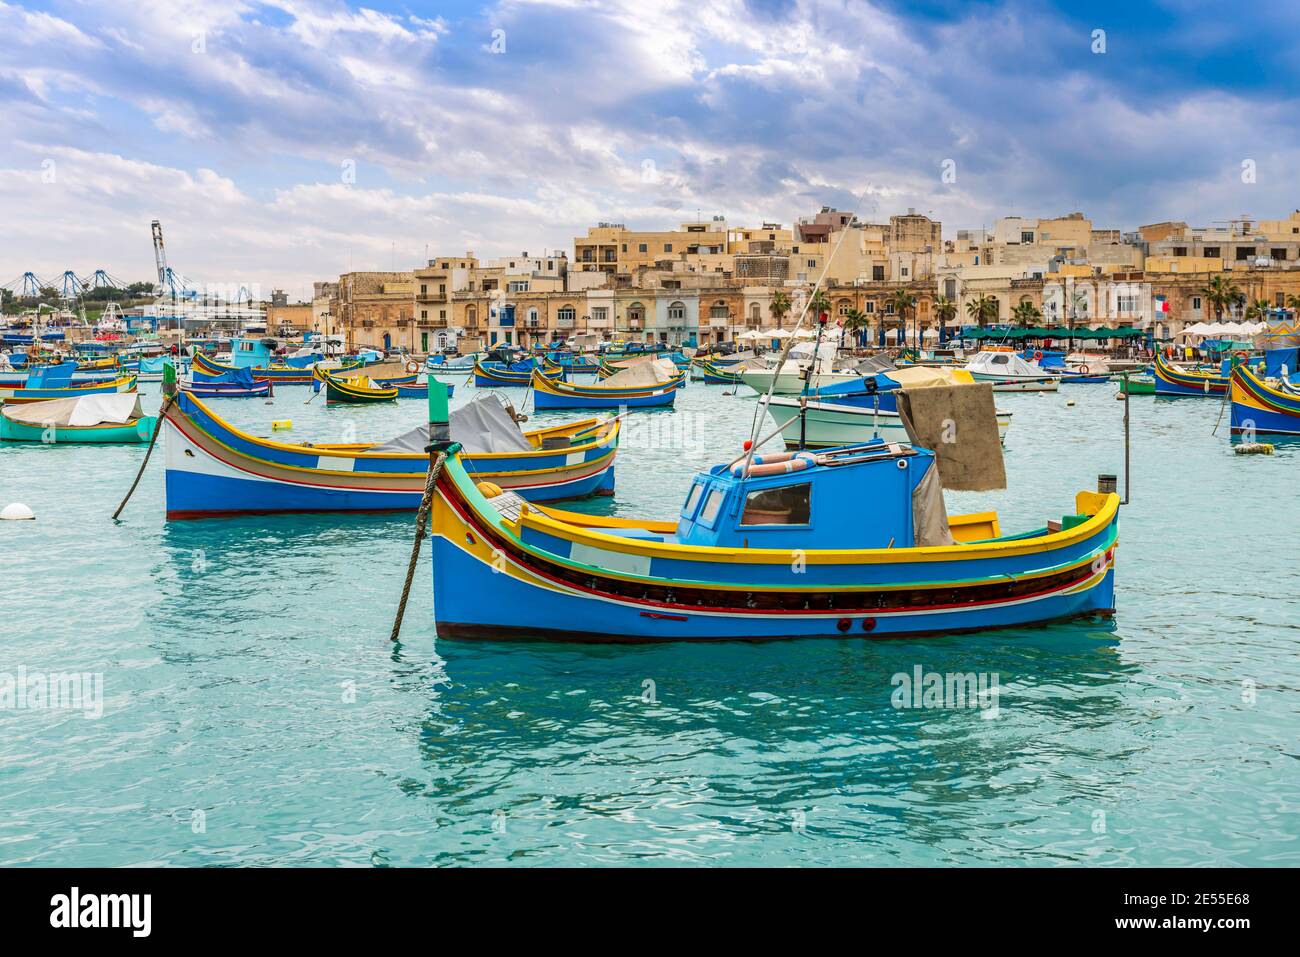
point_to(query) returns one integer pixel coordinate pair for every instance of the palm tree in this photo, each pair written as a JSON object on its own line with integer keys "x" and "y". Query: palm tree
{"x": 1258, "y": 309}
{"x": 902, "y": 302}
{"x": 1293, "y": 303}
{"x": 1026, "y": 314}
{"x": 982, "y": 309}
{"x": 854, "y": 321}
{"x": 1220, "y": 292}
{"x": 819, "y": 304}
{"x": 945, "y": 310}
{"x": 779, "y": 307}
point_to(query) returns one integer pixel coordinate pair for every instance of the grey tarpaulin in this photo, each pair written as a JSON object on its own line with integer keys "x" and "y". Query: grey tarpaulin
{"x": 480, "y": 426}
{"x": 959, "y": 424}
{"x": 929, "y": 514}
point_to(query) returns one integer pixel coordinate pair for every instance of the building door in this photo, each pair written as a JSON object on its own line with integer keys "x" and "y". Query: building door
{"x": 388, "y": 342}
{"x": 424, "y": 342}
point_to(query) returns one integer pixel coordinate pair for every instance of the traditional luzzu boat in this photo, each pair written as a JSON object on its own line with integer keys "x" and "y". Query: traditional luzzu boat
{"x": 497, "y": 374}
{"x": 420, "y": 390}
{"x": 56, "y": 382}
{"x": 1174, "y": 380}
{"x": 853, "y": 413}
{"x": 296, "y": 374}
{"x": 777, "y": 549}
{"x": 237, "y": 384}
{"x": 711, "y": 374}
{"x": 648, "y": 385}
{"x": 85, "y": 420}
{"x": 215, "y": 469}
{"x": 354, "y": 389}
{"x": 1262, "y": 408}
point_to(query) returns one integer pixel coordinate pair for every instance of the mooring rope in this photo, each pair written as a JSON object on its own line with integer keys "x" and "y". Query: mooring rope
{"x": 421, "y": 518}
{"x": 162, "y": 412}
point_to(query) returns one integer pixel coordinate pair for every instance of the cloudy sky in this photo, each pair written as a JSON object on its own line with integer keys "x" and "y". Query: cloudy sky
{"x": 290, "y": 140}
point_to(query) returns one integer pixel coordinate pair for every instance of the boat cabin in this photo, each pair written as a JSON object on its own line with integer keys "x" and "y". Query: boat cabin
{"x": 864, "y": 496}
{"x": 251, "y": 353}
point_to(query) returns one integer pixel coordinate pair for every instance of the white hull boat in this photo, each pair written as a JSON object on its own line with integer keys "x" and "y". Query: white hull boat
{"x": 827, "y": 424}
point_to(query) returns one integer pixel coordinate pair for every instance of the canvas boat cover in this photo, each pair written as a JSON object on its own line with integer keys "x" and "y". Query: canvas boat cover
{"x": 118, "y": 408}
{"x": 924, "y": 377}
{"x": 959, "y": 424}
{"x": 644, "y": 375}
{"x": 481, "y": 426}
{"x": 238, "y": 377}
{"x": 873, "y": 364}
{"x": 1006, "y": 365}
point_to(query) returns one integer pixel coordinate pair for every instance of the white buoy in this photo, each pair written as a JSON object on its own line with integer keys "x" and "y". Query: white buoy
{"x": 17, "y": 512}
{"x": 1069, "y": 403}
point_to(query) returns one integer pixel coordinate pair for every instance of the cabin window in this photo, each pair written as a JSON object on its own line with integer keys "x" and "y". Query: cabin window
{"x": 692, "y": 500}
{"x": 787, "y": 505}
{"x": 712, "y": 505}
{"x": 999, "y": 360}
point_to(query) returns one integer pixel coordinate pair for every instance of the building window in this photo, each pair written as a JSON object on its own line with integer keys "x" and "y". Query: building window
{"x": 843, "y": 307}
{"x": 668, "y": 247}
{"x": 677, "y": 311}
{"x": 878, "y": 273}
{"x": 1212, "y": 252}
{"x": 719, "y": 312}
{"x": 1278, "y": 253}
{"x": 812, "y": 264}
{"x": 566, "y": 314}
{"x": 424, "y": 289}
{"x": 1244, "y": 253}
{"x": 1027, "y": 237}
{"x": 1126, "y": 303}
{"x": 424, "y": 313}
{"x": 1196, "y": 303}
{"x": 870, "y": 307}
{"x": 904, "y": 271}
{"x": 442, "y": 313}
{"x": 442, "y": 289}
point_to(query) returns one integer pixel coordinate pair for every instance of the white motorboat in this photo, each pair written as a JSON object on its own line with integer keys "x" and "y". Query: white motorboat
{"x": 829, "y": 424}
{"x": 1010, "y": 373}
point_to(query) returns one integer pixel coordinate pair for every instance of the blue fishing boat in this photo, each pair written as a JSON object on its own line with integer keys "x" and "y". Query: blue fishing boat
{"x": 216, "y": 469}
{"x": 56, "y": 382}
{"x": 420, "y": 390}
{"x": 1173, "y": 380}
{"x": 490, "y": 375}
{"x": 779, "y": 547}
{"x": 236, "y": 384}
{"x": 1263, "y": 408}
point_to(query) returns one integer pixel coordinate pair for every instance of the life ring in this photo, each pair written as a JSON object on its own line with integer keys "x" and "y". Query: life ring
{"x": 1083, "y": 370}
{"x": 1038, "y": 355}
{"x": 412, "y": 365}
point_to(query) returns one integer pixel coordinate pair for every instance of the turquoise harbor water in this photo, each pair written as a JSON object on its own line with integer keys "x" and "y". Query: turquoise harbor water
{"x": 255, "y": 713}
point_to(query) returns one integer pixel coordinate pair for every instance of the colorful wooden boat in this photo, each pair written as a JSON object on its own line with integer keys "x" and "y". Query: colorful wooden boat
{"x": 85, "y": 420}
{"x": 498, "y": 375}
{"x": 781, "y": 550}
{"x": 550, "y": 394}
{"x": 420, "y": 390}
{"x": 281, "y": 374}
{"x": 215, "y": 469}
{"x": 239, "y": 384}
{"x": 1172, "y": 380}
{"x": 1259, "y": 408}
{"x": 711, "y": 374}
{"x": 355, "y": 390}
{"x": 14, "y": 394}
